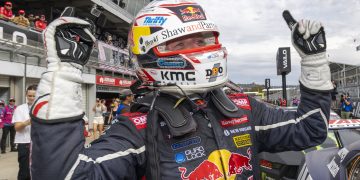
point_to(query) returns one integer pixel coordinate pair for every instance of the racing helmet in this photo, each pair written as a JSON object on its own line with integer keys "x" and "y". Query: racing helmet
{"x": 175, "y": 42}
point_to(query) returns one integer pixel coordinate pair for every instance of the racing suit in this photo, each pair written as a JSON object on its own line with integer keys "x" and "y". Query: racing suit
{"x": 205, "y": 136}
{"x": 224, "y": 144}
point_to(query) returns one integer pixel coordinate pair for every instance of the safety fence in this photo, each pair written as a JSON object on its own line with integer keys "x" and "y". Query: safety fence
{"x": 356, "y": 109}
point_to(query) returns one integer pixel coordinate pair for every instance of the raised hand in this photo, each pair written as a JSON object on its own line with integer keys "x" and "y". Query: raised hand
{"x": 308, "y": 36}
{"x": 72, "y": 37}
{"x": 68, "y": 44}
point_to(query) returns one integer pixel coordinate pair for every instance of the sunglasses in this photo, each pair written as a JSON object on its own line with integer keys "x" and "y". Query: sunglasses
{"x": 8, "y": 5}
{"x": 12, "y": 101}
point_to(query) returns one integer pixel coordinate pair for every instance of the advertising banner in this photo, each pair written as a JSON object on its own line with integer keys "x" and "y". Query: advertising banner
{"x": 112, "y": 81}
{"x": 283, "y": 61}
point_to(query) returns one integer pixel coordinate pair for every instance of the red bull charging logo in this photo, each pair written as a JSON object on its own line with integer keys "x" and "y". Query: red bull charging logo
{"x": 192, "y": 13}
{"x": 206, "y": 170}
{"x": 239, "y": 162}
{"x": 214, "y": 169}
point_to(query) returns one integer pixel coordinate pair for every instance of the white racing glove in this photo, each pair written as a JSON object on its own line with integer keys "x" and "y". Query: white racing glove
{"x": 308, "y": 38}
{"x": 68, "y": 43}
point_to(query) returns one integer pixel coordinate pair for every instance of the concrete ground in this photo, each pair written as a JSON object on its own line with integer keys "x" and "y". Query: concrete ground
{"x": 9, "y": 166}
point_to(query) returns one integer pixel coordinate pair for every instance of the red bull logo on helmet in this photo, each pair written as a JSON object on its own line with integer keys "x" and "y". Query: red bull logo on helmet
{"x": 189, "y": 13}
{"x": 190, "y": 10}
{"x": 192, "y": 13}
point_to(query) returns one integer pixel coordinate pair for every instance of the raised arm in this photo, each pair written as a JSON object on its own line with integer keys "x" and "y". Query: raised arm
{"x": 57, "y": 112}
{"x": 278, "y": 130}
{"x": 57, "y": 127}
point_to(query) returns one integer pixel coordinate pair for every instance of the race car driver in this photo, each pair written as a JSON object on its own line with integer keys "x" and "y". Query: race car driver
{"x": 188, "y": 128}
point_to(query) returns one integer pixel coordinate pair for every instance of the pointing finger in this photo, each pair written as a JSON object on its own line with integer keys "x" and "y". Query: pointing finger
{"x": 290, "y": 21}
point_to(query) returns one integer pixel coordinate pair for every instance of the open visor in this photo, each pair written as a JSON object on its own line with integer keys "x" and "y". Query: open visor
{"x": 202, "y": 41}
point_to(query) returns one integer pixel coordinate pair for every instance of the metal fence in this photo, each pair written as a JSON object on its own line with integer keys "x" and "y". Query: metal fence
{"x": 347, "y": 78}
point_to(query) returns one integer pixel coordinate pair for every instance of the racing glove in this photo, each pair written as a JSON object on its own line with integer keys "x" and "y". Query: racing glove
{"x": 308, "y": 38}
{"x": 68, "y": 43}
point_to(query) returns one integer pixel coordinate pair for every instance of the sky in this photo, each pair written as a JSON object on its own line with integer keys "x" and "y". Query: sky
{"x": 253, "y": 30}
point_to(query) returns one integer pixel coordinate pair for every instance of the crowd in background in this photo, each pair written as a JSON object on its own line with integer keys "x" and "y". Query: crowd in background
{"x": 16, "y": 121}
{"x": 120, "y": 3}
{"x": 112, "y": 39}
{"x": 104, "y": 115}
{"x": 343, "y": 107}
{"x": 37, "y": 22}
{"x": 7, "y": 125}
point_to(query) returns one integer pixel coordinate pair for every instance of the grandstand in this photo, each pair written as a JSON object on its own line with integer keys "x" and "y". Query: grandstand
{"x": 347, "y": 78}
{"x": 22, "y": 57}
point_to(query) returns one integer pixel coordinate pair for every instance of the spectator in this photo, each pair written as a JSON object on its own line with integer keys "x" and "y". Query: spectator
{"x": 283, "y": 103}
{"x": 279, "y": 101}
{"x": 127, "y": 98}
{"x": 105, "y": 114}
{"x": 109, "y": 40}
{"x": 8, "y": 126}
{"x": 2, "y": 107}
{"x": 114, "y": 108}
{"x": 333, "y": 95}
{"x": 86, "y": 126}
{"x": 31, "y": 19}
{"x": 295, "y": 101}
{"x": 346, "y": 107}
{"x": 6, "y": 11}
{"x": 276, "y": 102}
{"x": 22, "y": 122}
{"x": 121, "y": 43}
{"x": 112, "y": 103}
{"x": 40, "y": 24}
{"x": 21, "y": 19}
{"x": 98, "y": 122}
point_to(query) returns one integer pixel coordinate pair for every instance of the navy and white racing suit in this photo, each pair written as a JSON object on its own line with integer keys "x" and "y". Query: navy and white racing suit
{"x": 224, "y": 144}
{"x": 205, "y": 136}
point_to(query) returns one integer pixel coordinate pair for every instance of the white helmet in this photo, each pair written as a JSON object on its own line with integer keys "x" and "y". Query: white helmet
{"x": 173, "y": 41}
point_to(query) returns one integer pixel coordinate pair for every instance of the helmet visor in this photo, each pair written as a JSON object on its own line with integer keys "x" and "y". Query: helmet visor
{"x": 189, "y": 44}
